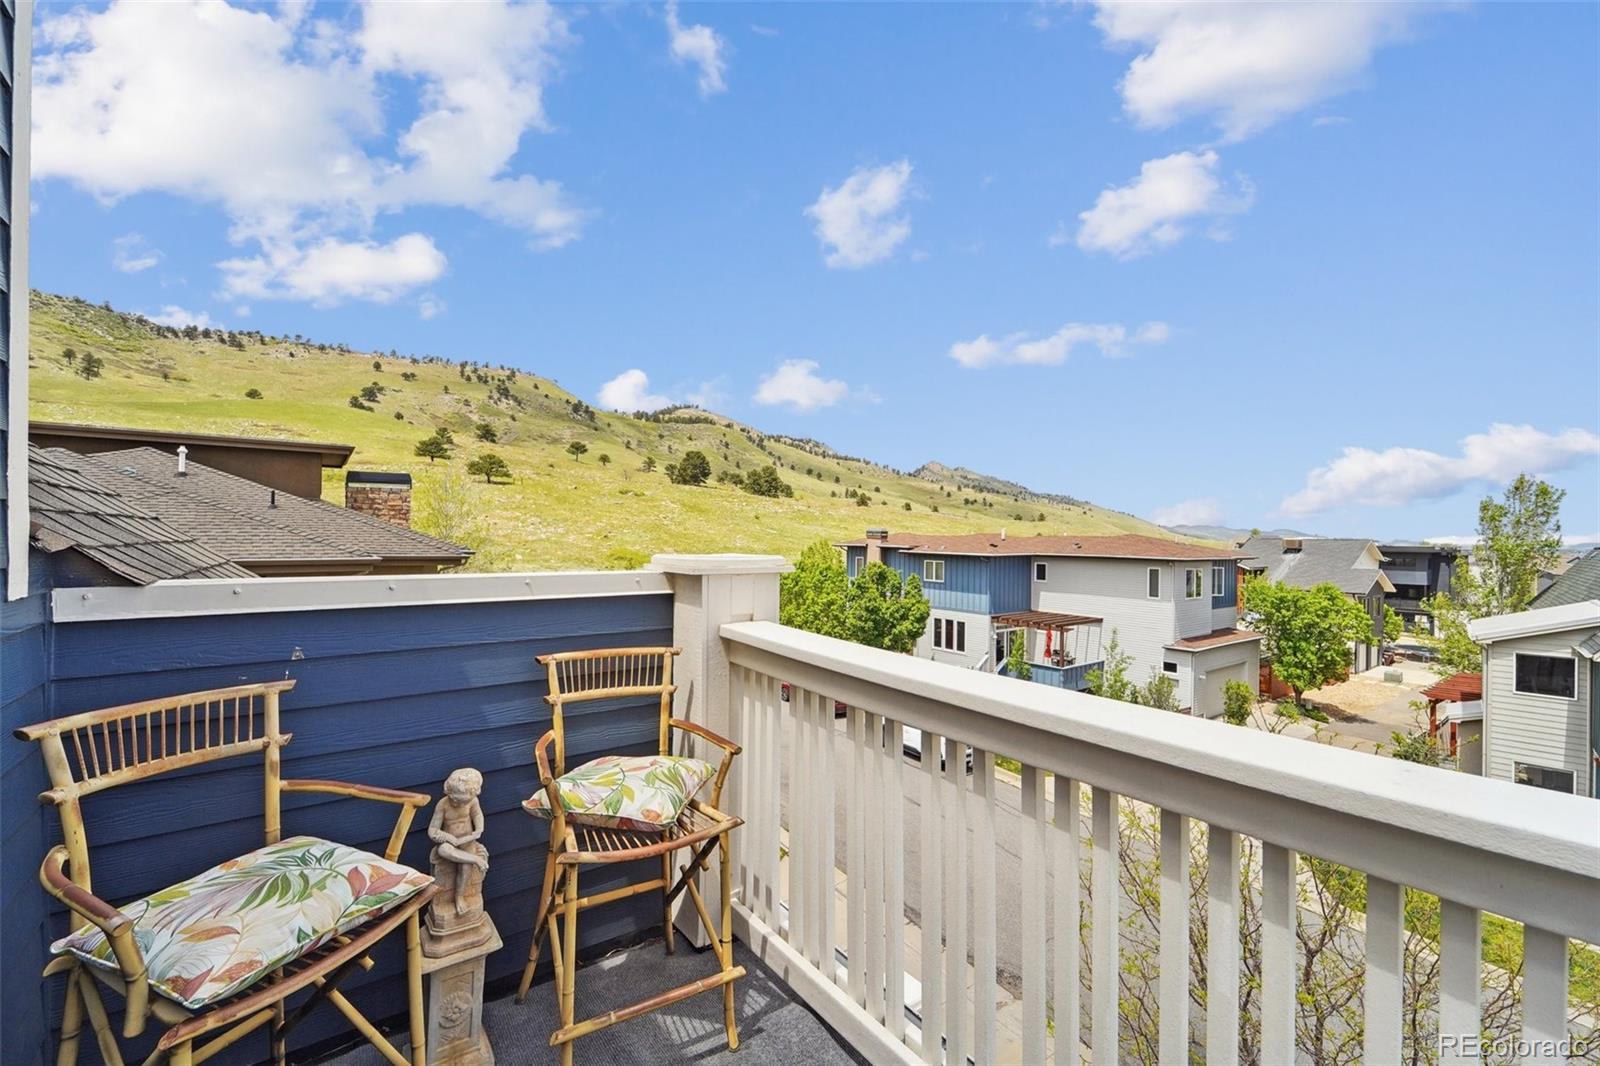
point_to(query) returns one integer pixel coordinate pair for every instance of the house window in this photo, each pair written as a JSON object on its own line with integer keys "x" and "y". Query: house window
{"x": 1039, "y": 571}
{"x": 1219, "y": 579}
{"x": 1543, "y": 777}
{"x": 961, "y": 638}
{"x": 1547, "y": 675}
{"x": 938, "y": 632}
{"x": 1155, "y": 583}
{"x": 949, "y": 634}
{"x": 1169, "y": 666}
{"x": 1193, "y": 584}
{"x": 933, "y": 570}
{"x": 855, "y": 565}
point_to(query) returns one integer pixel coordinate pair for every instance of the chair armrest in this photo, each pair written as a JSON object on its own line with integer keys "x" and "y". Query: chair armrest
{"x": 705, "y": 734}
{"x": 409, "y": 803}
{"x": 117, "y": 927}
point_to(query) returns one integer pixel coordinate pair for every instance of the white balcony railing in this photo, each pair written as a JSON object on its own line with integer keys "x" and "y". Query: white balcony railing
{"x": 895, "y": 979}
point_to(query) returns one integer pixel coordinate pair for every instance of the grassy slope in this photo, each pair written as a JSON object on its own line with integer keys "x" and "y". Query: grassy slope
{"x": 557, "y": 512}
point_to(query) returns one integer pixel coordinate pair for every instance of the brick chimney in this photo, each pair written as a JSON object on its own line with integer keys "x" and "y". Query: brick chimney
{"x": 876, "y": 539}
{"x": 381, "y": 495}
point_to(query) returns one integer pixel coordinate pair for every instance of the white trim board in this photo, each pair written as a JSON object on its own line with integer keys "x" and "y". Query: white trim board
{"x": 266, "y": 595}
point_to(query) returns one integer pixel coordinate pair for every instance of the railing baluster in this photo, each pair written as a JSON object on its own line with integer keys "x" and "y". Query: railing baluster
{"x": 1173, "y": 993}
{"x": 800, "y": 786}
{"x": 1382, "y": 994}
{"x": 1105, "y": 970}
{"x": 1066, "y": 918}
{"x": 1460, "y": 981}
{"x": 1032, "y": 846}
{"x": 739, "y": 680}
{"x": 984, "y": 1011}
{"x": 771, "y": 726}
{"x": 856, "y": 859}
{"x": 957, "y": 1013}
{"x": 894, "y": 856}
{"x": 875, "y": 933}
{"x": 1222, "y": 948}
{"x": 1544, "y": 996}
{"x": 1279, "y": 950}
{"x": 932, "y": 974}
{"x": 826, "y": 805}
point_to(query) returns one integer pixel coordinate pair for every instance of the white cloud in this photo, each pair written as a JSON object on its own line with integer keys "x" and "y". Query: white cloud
{"x": 430, "y": 306}
{"x": 1397, "y": 476}
{"x": 630, "y": 391}
{"x": 173, "y": 315}
{"x": 859, "y": 222}
{"x": 280, "y": 120}
{"x": 796, "y": 383}
{"x": 1203, "y": 511}
{"x": 700, "y": 45}
{"x": 1468, "y": 540}
{"x": 1157, "y": 208}
{"x": 1112, "y": 340}
{"x": 131, "y": 253}
{"x": 1245, "y": 66}
{"x": 331, "y": 271}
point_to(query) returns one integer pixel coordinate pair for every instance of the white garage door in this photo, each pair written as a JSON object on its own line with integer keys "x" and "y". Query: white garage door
{"x": 1208, "y": 693}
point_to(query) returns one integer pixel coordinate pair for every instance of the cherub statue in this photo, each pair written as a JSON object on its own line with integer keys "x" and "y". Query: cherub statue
{"x": 456, "y": 826}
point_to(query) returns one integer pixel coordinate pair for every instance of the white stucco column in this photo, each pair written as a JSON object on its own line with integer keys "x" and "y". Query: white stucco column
{"x": 708, "y": 590}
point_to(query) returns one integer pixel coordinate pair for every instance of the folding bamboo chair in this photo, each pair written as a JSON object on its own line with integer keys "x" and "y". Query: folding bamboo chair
{"x": 98, "y": 750}
{"x": 613, "y": 673}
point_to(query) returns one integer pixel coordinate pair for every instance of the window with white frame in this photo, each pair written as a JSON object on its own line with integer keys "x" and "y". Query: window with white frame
{"x": 933, "y": 571}
{"x": 1547, "y": 675}
{"x": 1543, "y": 777}
{"x": 960, "y": 643}
{"x": 1153, "y": 583}
{"x": 1193, "y": 584}
{"x": 1219, "y": 579}
{"x": 1169, "y": 666}
{"x": 1040, "y": 571}
{"x": 855, "y": 565}
{"x": 938, "y": 632}
{"x": 949, "y": 634}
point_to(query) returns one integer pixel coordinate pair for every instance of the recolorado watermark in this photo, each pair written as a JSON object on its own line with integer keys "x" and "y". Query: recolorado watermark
{"x": 1516, "y": 1048}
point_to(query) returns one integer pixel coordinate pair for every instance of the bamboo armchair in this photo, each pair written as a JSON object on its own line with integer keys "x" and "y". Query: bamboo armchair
{"x": 614, "y": 673}
{"x": 98, "y": 750}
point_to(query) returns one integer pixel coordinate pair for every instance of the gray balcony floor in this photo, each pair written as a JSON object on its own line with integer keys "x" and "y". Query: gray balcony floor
{"x": 774, "y": 1026}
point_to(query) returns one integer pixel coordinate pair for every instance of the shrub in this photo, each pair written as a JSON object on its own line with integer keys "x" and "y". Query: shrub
{"x": 1237, "y": 700}
{"x": 764, "y": 481}
{"x": 625, "y": 559}
{"x": 693, "y": 469}
{"x": 355, "y": 401}
{"x": 91, "y": 365}
{"x": 398, "y": 417}
{"x": 486, "y": 433}
{"x": 252, "y": 394}
{"x": 371, "y": 392}
{"x": 862, "y": 501}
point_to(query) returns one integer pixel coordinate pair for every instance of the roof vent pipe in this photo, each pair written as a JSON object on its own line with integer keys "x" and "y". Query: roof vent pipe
{"x": 1002, "y": 532}
{"x": 272, "y": 498}
{"x": 183, "y": 460}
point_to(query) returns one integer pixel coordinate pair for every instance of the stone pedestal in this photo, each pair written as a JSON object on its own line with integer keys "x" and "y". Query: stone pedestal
{"x": 455, "y": 1003}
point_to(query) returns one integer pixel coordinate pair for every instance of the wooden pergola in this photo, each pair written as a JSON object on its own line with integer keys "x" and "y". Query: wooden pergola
{"x": 1054, "y": 622}
{"x": 1457, "y": 688}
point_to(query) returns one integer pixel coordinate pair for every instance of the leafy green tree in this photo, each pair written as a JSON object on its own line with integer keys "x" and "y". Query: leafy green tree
{"x": 811, "y": 596}
{"x": 490, "y": 466}
{"x": 693, "y": 469}
{"x": 605, "y": 460}
{"x": 862, "y": 501}
{"x": 577, "y": 448}
{"x": 1305, "y": 632}
{"x": 70, "y": 355}
{"x": 1393, "y": 627}
{"x": 90, "y": 365}
{"x": 884, "y": 610}
{"x": 764, "y": 481}
{"x": 1017, "y": 658}
{"x": 370, "y": 393}
{"x": 649, "y": 464}
{"x": 1518, "y": 536}
{"x": 1416, "y": 746}
{"x": 486, "y": 433}
{"x": 431, "y": 448}
{"x": 1111, "y": 680}
{"x": 1238, "y": 699}
{"x": 252, "y": 394}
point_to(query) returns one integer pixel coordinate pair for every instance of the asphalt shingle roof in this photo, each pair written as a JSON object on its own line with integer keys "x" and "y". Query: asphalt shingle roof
{"x": 1580, "y": 582}
{"x": 246, "y": 522}
{"x": 1339, "y": 560}
{"x": 68, "y": 508}
{"x": 1118, "y": 546}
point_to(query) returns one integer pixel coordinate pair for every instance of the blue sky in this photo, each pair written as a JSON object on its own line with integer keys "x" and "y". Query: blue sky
{"x": 1331, "y": 267}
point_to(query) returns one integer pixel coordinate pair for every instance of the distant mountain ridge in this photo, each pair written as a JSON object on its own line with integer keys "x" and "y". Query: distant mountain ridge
{"x": 939, "y": 473}
{"x": 1231, "y": 534}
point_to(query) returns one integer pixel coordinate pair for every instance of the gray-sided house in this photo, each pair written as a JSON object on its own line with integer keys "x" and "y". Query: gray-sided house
{"x": 1352, "y": 565}
{"x": 1172, "y": 605}
{"x": 1417, "y": 571}
{"x": 1541, "y": 696}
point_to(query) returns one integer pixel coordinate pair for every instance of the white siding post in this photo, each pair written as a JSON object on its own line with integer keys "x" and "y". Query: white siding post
{"x": 707, "y": 591}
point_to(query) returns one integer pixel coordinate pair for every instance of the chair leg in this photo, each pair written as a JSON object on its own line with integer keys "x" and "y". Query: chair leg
{"x": 569, "y": 957}
{"x": 666, "y": 902}
{"x": 728, "y": 1019}
{"x": 95, "y": 1007}
{"x": 540, "y": 924}
{"x": 71, "y": 1022}
{"x": 182, "y": 1055}
{"x": 419, "y": 1049}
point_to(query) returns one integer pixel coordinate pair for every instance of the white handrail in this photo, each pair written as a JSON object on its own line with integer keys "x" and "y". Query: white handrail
{"x": 1525, "y": 853}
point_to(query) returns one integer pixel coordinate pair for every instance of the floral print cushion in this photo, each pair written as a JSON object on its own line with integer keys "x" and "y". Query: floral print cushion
{"x": 640, "y": 792}
{"x": 219, "y": 932}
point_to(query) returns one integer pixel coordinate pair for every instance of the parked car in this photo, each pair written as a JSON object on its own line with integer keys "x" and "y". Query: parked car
{"x": 912, "y": 744}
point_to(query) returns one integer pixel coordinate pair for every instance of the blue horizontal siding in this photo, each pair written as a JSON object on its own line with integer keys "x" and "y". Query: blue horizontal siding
{"x": 388, "y": 696}
{"x": 1074, "y": 678}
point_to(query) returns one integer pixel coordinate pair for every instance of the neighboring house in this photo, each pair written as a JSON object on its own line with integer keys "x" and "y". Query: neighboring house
{"x": 1352, "y": 565}
{"x": 1541, "y": 696}
{"x": 1171, "y": 604}
{"x": 287, "y": 465}
{"x": 1417, "y": 571}
{"x": 1578, "y": 582}
{"x": 254, "y": 529}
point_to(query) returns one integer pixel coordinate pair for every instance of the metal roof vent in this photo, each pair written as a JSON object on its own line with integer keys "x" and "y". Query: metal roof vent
{"x": 183, "y": 460}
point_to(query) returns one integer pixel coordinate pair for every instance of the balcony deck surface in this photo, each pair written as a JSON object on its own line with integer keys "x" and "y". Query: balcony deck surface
{"x": 774, "y": 1026}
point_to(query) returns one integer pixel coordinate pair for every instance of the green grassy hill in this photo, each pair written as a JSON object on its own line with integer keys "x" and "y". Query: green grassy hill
{"x": 556, "y": 512}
